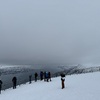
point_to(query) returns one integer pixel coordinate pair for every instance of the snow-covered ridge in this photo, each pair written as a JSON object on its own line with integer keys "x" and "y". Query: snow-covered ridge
{"x": 77, "y": 70}
{"x": 15, "y": 69}
{"x": 77, "y": 87}
{"x": 11, "y": 69}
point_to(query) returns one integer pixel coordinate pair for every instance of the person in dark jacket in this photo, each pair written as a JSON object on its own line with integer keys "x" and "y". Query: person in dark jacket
{"x": 45, "y": 76}
{"x": 30, "y": 79}
{"x": 0, "y": 86}
{"x": 41, "y": 75}
{"x": 14, "y": 80}
{"x": 36, "y": 75}
{"x": 63, "y": 80}
{"x": 49, "y": 74}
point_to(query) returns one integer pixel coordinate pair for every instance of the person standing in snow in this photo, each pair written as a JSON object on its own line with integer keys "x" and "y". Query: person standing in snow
{"x": 30, "y": 79}
{"x": 36, "y": 75}
{"x": 0, "y": 86}
{"x": 45, "y": 76}
{"x": 49, "y": 74}
{"x": 63, "y": 80}
{"x": 14, "y": 80}
{"x": 41, "y": 75}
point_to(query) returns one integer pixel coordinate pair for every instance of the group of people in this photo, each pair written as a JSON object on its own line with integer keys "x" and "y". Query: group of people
{"x": 35, "y": 77}
{"x": 47, "y": 76}
{"x": 43, "y": 75}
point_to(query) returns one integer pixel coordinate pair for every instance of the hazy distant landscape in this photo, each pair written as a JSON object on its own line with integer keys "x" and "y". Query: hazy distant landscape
{"x": 22, "y": 72}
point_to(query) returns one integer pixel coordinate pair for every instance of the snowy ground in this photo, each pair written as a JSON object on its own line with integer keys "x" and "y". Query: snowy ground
{"x": 78, "y": 87}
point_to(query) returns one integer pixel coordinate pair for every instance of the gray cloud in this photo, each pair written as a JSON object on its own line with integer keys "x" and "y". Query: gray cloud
{"x": 46, "y": 32}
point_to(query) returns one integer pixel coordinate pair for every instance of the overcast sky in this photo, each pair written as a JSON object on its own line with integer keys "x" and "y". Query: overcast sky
{"x": 50, "y": 31}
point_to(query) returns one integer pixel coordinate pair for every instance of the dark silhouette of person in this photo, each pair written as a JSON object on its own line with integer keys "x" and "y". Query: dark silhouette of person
{"x": 36, "y": 75}
{"x": 30, "y": 79}
{"x": 63, "y": 80}
{"x": 41, "y": 75}
{"x": 14, "y": 80}
{"x": 49, "y": 74}
{"x": 0, "y": 85}
{"x": 45, "y": 76}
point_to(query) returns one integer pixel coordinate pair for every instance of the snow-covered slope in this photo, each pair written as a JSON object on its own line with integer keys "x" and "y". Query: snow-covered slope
{"x": 78, "y": 87}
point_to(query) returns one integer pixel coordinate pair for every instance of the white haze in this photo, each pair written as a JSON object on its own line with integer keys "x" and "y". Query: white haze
{"x": 50, "y": 32}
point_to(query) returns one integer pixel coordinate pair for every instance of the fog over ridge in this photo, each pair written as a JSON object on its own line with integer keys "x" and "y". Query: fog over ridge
{"x": 50, "y": 32}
